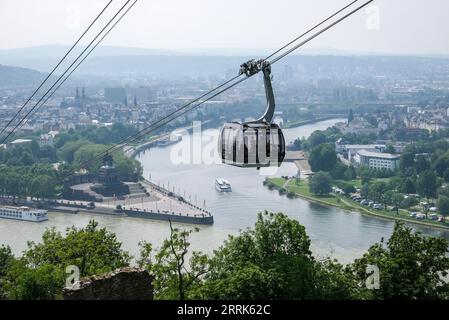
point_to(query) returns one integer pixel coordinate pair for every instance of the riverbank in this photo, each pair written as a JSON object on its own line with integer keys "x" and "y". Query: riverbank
{"x": 299, "y": 123}
{"x": 292, "y": 188}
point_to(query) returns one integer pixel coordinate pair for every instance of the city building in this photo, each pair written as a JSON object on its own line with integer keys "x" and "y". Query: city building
{"x": 117, "y": 94}
{"x": 376, "y": 160}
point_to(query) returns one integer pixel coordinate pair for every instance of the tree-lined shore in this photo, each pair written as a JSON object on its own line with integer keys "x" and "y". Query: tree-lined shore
{"x": 272, "y": 260}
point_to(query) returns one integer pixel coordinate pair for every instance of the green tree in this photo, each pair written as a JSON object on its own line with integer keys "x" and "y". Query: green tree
{"x": 320, "y": 183}
{"x": 94, "y": 250}
{"x": 6, "y": 260}
{"x": 39, "y": 273}
{"x": 377, "y": 191}
{"x": 446, "y": 175}
{"x": 297, "y": 144}
{"x": 173, "y": 279}
{"x": 61, "y": 139}
{"x": 43, "y": 282}
{"x": 127, "y": 167}
{"x": 316, "y": 138}
{"x": 271, "y": 261}
{"x": 350, "y": 173}
{"x": 67, "y": 152}
{"x": 443, "y": 205}
{"x": 411, "y": 267}
{"x": 365, "y": 175}
{"x": 393, "y": 198}
{"x": 34, "y": 148}
{"x": 87, "y": 158}
{"x": 407, "y": 160}
{"x": 408, "y": 186}
{"x": 323, "y": 157}
{"x": 421, "y": 164}
{"x": 440, "y": 165}
{"x": 350, "y": 116}
{"x": 346, "y": 187}
{"x": 390, "y": 149}
{"x": 427, "y": 184}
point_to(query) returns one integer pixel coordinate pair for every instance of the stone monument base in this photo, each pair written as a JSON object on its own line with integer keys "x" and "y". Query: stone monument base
{"x": 111, "y": 190}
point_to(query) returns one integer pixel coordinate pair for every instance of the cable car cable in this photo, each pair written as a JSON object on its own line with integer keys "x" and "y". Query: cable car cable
{"x": 144, "y": 132}
{"x": 73, "y": 63}
{"x": 320, "y": 32}
{"x": 311, "y": 29}
{"x": 79, "y": 63}
{"x": 148, "y": 129}
{"x": 54, "y": 69}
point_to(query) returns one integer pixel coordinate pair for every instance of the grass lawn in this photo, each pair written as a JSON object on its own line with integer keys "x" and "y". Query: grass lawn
{"x": 357, "y": 183}
{"x": 301, "y": 188}
{"x": 279, "y": 182}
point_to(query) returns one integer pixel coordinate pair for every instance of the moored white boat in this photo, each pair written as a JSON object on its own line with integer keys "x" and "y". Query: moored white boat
{"x": 23, "y": 213}
{"x": 222, "y": 185}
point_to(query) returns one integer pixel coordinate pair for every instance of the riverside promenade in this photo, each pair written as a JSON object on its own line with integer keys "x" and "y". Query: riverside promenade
{"x": 156, "y": 204}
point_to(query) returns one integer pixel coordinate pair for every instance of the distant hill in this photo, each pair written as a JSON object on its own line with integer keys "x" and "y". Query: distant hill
{"x": 13, "y": 77}
{"x": 113, "y": 62}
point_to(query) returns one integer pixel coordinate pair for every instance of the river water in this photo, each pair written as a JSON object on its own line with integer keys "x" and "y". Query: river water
{"x": 343, "y": 235}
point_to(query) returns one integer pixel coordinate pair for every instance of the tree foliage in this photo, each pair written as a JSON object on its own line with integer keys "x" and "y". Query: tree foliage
{"x": 427, "y": 184}
{"x": 320, "y": 183}
{"x": 272, "y": 260}
{"x": 323, "y": 157}
{"x": 40, "y": 272}
{"x": 411, "y": 267}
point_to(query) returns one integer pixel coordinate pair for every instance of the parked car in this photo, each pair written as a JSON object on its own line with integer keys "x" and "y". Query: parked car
{"x": 90, "y": 205}
{"x": 433, "y": 216}
{"x": 440, "y": 219}
{"x": 377, "y": 206}
{"x": 413, "y": 214}
{"x": 364, "y": 202}
{"x": 420, "y": 216}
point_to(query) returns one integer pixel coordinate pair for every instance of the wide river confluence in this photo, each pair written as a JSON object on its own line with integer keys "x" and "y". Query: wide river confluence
{"x": 342, "y": 234}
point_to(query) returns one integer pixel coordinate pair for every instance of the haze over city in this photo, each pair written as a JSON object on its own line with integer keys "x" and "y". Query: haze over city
{"x": 394, "y": 27}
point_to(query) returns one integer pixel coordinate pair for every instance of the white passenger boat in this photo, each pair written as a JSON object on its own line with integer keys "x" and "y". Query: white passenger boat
{"x": 23, "y": 213}
{"x": 222, "y": 185}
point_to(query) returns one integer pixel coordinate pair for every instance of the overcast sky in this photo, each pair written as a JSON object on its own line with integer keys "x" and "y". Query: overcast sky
{"x": 392, "y": 26}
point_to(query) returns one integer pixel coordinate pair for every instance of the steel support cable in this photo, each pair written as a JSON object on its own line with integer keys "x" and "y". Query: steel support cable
{"x": 158, "y": 124}
{"x": 311, "y": 29}
{"x": 139, "y": 134}
{"x": 54, "y": 69}
{"x": 79, "y": 63}
{"x": 161, "y": 122}
{"x": 11, "y": 133}
{"x": 321, "y": 31}
{"x": 145, "y": 131}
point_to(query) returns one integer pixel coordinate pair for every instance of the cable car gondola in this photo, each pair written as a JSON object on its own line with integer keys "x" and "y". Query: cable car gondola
{"x": 258, "y": 143}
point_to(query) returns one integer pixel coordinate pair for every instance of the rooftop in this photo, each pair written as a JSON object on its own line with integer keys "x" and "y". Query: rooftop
{"x": 18, "y": 141}
{"x": 366, "y": 153}
{"x": 364, "y": 146}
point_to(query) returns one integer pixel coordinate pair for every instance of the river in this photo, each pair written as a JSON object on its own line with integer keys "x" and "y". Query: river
{"x": 343, "y": 235}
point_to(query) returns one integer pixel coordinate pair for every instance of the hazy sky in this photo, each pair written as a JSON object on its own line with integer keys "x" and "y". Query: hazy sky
{"x": 392, "y": 26}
